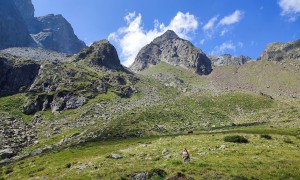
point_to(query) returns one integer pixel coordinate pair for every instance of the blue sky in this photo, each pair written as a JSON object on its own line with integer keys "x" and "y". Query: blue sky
{"x": 238, "y": 27}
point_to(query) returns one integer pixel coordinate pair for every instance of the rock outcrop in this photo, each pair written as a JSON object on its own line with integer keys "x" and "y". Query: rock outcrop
{"x": 281, "y": 51}
{"x": 13, "y": 30}
{"x": 228, "y": 59}
{"x": 16, "y": 74}
{"x": 101, "y": 54}
{"x": 19, "y": 28}
{"x": 175, "y": 51}
{"x": 70, "y": 84}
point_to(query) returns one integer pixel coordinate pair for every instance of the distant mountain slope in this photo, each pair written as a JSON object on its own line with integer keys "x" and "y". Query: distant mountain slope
{"x": 281, "y": 51}
{"x": 36, "y": 54}
{"x": 228, "y": 59}
{"x": 173, "y": 50}
{"x": 279, "y": 79}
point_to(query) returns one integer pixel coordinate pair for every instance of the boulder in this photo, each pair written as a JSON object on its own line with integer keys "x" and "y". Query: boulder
{"x": 139, "y": 176}
{"x": 115, "y": 156}
{"x": 6, "y": 153}
{"x": 36, "y": 152}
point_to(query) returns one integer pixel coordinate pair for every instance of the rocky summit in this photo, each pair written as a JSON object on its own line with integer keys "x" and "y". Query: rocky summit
{"x": 101, "y": 54}
{"x": 56, "y": 33}
{"x": 175, "y": 51}
{"x": 281, "y": 51}
{"x": 19, "y": 28}
{"x": 228, "y": 59}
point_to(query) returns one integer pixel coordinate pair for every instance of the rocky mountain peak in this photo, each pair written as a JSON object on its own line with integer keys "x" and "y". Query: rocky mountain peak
{"x": 173, "y": 50}
{"x": 100, "y": 53}
{"x": 168, "y": 35}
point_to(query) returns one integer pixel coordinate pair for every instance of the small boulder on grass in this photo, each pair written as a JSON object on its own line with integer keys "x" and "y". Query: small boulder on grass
{"x": 115, "y": 156}
{"x": 236, "y": 139}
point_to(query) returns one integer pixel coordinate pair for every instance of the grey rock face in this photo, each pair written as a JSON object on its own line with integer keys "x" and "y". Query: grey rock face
{"x": 16, "y": 75}
{"x": 281, "y": 51}
{"x": 13, "y": 30}
{"x": 228, "y": 59}
{"x": 57, "y": 34}
{"x": 26, "y": 9}
{"x": 19, "y": 28}
{"x": 100, "y": 53}
{"x": 173, "y": 50}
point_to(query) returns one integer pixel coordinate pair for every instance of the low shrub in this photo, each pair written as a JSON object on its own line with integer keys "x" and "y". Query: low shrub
{"x": 265, "y": 136}
{"x": 287, "y": 140}
{"x": 157, "y": 174}
{"x": 236, "y": 139}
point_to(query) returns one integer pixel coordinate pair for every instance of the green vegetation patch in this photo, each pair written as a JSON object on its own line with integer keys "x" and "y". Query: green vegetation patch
{"x": 14, "y": 105}
{"x": 236, "y": 139}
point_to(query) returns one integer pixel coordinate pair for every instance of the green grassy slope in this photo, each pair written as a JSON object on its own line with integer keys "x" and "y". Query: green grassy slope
{"x": 277, "y": 158}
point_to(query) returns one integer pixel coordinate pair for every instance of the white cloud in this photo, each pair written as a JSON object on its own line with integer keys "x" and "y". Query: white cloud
{"x": 131, "y": 38}
{"x": 224, "y": 31}
{"x": 202, "y": 41}
{"x": 221, "y": 49}
{"x": 290, "y": 8}
{"x": 235, "y": 17}
{"x": 210, "y": 24}
{"x": 240, "y": 44}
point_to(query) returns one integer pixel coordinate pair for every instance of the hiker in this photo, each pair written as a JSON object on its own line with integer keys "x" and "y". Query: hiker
{"x": 185, "y": 155}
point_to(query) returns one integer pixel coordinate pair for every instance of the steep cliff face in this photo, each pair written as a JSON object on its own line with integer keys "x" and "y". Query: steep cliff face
{"x": 173, "y": 50}
{"x": 281, "y": 51}
{"x": 16, "y": 75}
{"x": 228, "y": 59}
{"x": 26, "y": 9}
{"x": 19, "y": 28}
{"x": 13, "y": 30}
